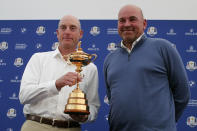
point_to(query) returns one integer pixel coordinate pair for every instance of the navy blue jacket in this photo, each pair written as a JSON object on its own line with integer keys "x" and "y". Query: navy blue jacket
{"x": 148, "y": 88}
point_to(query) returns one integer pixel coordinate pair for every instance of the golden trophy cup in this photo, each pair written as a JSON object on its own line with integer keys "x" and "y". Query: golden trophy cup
{"x": 77, "y": 102}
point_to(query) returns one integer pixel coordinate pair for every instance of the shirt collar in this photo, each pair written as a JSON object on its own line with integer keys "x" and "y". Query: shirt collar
{"x": 57, "y": 53}
{"x": 134, "y": 43}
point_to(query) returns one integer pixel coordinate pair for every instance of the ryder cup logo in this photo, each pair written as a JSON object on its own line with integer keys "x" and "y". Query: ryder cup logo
{"x": 95, "y": 30}
{"x": 3, "y": 45}
{"x": 18, "y": 62}
{"x": 40, "y": 30}
{"x": 11, "y": 113}
{"x": 111, "y": 47}
{"x": 152, "y": 31}
{"x": 191, "y": 66}
{"x": 55, "y": 45}
{"x": 191, "y": 121}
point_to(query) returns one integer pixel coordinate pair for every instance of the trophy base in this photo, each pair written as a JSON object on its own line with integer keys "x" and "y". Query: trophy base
{"x": 76, "y": 112}
{"x": 77, "y": 103}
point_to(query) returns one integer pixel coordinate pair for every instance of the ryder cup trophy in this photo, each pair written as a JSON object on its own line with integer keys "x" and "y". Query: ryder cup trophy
{"x": 77, "y": 102}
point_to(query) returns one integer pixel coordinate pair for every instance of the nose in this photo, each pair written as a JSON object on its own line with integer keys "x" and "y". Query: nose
{"x": 67, "y": 30}
{"x": 127, "y": 23}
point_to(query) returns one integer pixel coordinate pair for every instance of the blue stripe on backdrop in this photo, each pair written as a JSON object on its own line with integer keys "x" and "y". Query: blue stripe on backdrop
{"x": 19, "y": 39}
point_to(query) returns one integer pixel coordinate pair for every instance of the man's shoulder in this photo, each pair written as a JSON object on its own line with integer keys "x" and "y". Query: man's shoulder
{"x": 111, "y": 54}
{"x": 160, "y": 42}
{"x": 43, "y": 54}
{"x": 92, "y": 66}
{"x": 157, "y": 39}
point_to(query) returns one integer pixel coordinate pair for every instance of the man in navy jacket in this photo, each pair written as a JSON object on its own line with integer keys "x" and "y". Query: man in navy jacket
{"x": 146, "y": 82}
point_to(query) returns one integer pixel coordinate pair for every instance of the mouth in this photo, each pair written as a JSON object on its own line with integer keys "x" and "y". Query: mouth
{"x": 67, "y": 39}
{"x": 127, "y": 32}
{"x": 128, "y": 29}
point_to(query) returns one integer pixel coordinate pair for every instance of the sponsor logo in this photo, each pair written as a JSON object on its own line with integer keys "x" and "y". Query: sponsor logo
{"x": 106, "y": 100}
{"x": 171, "y": 32}
{"x": 112, "y": 31}
{"x": 2, "y": 63}
{"x": 93, "y": 48}
{"x": 191, "y": 49}
{"x": 173, "y": 45}
{"x": 192, "y": 102}
{"x": 191, "y": 84}
{"x": 1, "y": 80}
{"x": 106, "y": 117}
{"x": 9, "y": 129}
{"x": 38, "y": 46}
{"x": 20, "y": 46}
{"x": 13, "y": 97}
{"x": 191, "y": 32}
{"x": 5, "y": 30}
{"x": 23, "y": 30}
{"x": 15, "y": 80}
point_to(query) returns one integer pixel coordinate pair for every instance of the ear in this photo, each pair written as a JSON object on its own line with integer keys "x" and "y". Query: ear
{"x": 57, "y": 31}
{"x": 81, "y": 34}
{"x": 145, "y": 23}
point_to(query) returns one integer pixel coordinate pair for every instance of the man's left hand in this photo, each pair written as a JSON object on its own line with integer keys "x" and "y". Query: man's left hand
{"x": 79, "y": 118}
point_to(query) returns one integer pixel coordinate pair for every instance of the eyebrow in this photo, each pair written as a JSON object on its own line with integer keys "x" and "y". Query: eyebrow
{"x": 68, "y": 25}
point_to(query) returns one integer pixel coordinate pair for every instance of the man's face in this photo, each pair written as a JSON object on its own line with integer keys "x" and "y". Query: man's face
{"x": 69, "y": 32}
{"x": 130, "y": 23}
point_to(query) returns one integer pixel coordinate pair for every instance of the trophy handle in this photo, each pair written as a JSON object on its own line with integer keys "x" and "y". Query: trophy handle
{"x": 95, "y": 56}
{"x": 67, "y": 59}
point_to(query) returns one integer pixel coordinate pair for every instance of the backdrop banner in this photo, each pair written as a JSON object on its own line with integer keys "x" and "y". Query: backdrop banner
{"x": 19, "y": 39}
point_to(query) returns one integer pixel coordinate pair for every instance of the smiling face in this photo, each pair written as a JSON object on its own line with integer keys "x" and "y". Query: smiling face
{"x": 131, "y": 23}
{"x": 69, "y": 32}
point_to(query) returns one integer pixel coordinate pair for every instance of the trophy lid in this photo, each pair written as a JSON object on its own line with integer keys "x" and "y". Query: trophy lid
{"x": 79, "y": 53}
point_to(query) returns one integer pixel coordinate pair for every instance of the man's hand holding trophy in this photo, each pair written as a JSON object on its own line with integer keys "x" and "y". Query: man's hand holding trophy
{"x": 77, "y": 103}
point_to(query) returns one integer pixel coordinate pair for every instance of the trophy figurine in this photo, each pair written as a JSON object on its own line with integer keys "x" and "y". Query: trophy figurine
{"x": 77, "y": 102}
